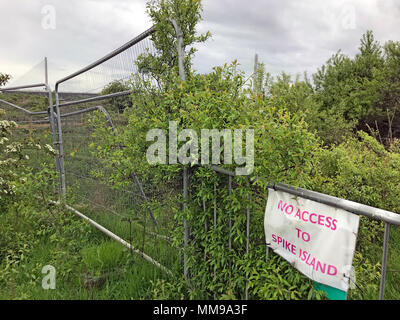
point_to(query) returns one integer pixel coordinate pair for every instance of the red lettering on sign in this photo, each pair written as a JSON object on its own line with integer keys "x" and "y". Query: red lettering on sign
{"x": 316, "y": 264}
{"x": 305, "y": 216}
{"x": 321, "y": 219}
{"x": 281, "y": 205}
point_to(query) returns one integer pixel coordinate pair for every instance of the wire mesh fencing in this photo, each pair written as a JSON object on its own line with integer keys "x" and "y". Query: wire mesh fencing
{"x": 122, "y": 210}
{"x": 110, "y": 74}
{"x": 26, "y": 101}
{"x": 131, "y": 212}
{"x": 139, "y": 212}
{"x": 36, "y": 75}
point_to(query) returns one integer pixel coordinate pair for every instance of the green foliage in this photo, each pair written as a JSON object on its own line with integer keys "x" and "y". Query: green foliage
{"x": 34, "y": 233}
{"x": 345, "y": 94}
{"x": 283, "y": 148}
{"x": 361, "y": 170}
{"x": 362, "y": 92}
{"x": 164, "y": 64}
{"x": 287, "y": 116}
{"x": 27, "y": 221}
{"x": 4, "y": 78}
{"x": 174, "y": 289}
{"x": 106, "y": 256}
{"x": 281, "y": 112}
{"x": 88, "y": 265}
{"x": 368, "y": 276}
{"x": 32, "y": 102}
{"x": 15, "y": 174}
{"x": 274, "y": 279}
{"x": 117, "y": 103}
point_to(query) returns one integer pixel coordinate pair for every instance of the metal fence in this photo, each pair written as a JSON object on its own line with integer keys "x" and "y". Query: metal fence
{"x": 128, "y": 215}
{"x": 125, "y": 213}
{"x": 387, "y": 217}
{"x": 30, "y": 119}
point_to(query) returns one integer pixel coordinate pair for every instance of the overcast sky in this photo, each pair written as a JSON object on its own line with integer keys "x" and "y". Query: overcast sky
{"x": 289, "y": 35}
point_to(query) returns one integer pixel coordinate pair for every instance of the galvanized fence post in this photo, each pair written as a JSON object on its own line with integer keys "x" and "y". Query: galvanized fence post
{"x": 50, "y": 112}
{"x": 230, "y": 226}
{"x": 60, "y": 148}
{"x": 215, "y": 221}
{"x": 215, "y": 206}
{"x": 182, "y": 75}
{"x": 185, "y": 222}
{"x": 384, "y": 261}
{"x": 230, "y": 214}
{"x": 247, "y": 243}
{"x": 205, "y": 225}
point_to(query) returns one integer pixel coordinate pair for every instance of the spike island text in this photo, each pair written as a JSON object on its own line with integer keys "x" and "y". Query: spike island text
{"x": 315, "y": 238}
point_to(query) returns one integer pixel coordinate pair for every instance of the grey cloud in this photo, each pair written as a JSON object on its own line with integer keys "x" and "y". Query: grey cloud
{"x": 293, "y": 36}
{"x": 298, "y": 35}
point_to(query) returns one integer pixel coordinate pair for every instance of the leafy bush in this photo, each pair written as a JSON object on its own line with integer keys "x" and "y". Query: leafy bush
{"x": 117, "y": 103}
{"x": 17, "y": 178}
{"x": 362, "y": 170}
{"x": 286, "y": 118}
{"x": 283, "y": 151}
{"x": 106, "y": 256}
{"x": 4, "y": 79}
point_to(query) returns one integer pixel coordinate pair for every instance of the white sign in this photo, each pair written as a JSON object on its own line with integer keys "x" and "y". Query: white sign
{"x": 317, "y": 239}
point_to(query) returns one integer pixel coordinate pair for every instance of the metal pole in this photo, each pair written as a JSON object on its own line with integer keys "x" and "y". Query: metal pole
{"x": 354, "y": 207}
{"x": 230, "y": 215}
{"x": 46, "y": 75}
{"x": 60, "y": 146}
{"x": 230, "y": 227}
{"x": 247, "y": 244}
{"x": 50, "y": 111}
{"x": 215, "y": 221}
{"x": 255, "y": 72}
{"x": 112, "y": 54}
{"x": 185, "y": 223}
{"x": 20, "y": 108}
{"x": 120, "y": 240}
{"x": 384, "y": 261}
{"x": 205, "y": 226}
{"x": 23, "y": 87}
{"x": 96, "y": 98}
{"x": 215, "y": 206}
{"x": 179, "y": 48}
{"x": 205, "y": 221}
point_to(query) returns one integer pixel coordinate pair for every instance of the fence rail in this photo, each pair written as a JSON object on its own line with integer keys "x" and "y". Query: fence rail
{"x": 74, "y": 167}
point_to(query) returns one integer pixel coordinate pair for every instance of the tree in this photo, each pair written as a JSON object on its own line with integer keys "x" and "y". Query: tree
{"x": 349, "y": 91}
{"x": 118, "y": 103}
{"x": 187, "y": 13}
{"x": 346, "y": 94}
{"x": 362, "y": 93}
{"x": 389, "y": 99}
{"x": 4, "y": 78}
